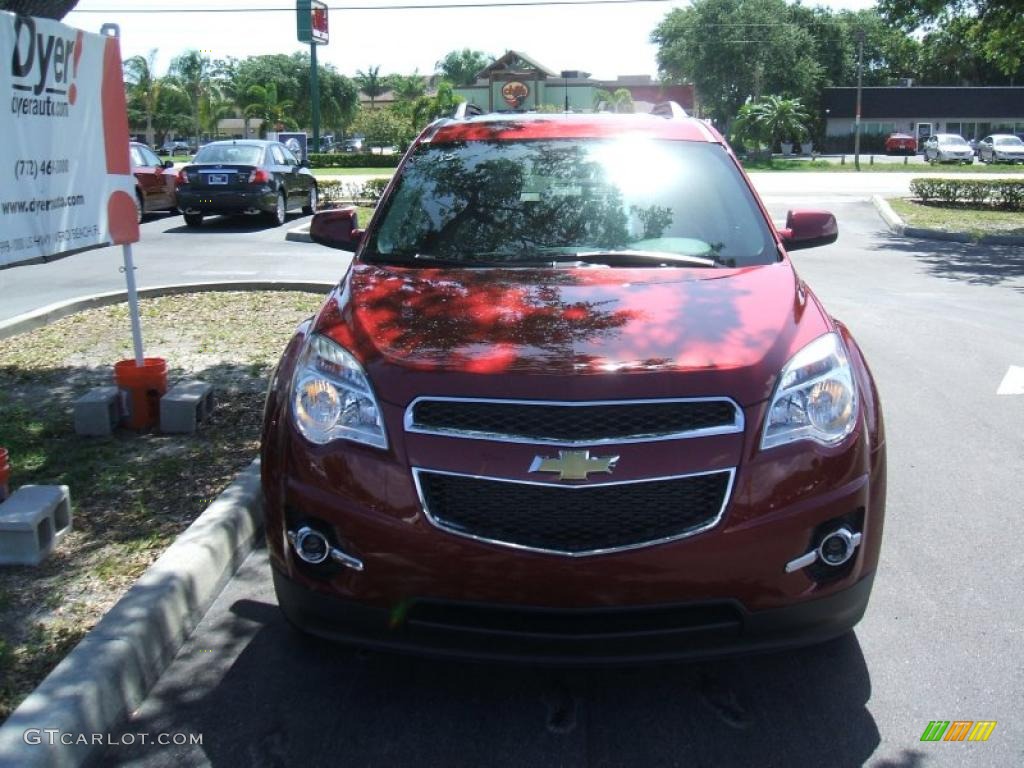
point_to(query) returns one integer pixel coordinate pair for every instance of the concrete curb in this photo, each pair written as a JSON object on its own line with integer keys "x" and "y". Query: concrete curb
{"x": 110, "y": 672}
{"x": 899, "y": 227}
{"x": 37, "y": 318}
{"x": 299, "y": 234}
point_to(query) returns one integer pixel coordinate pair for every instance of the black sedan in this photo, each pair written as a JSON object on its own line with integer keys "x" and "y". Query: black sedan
{"x": 245, "y": 178}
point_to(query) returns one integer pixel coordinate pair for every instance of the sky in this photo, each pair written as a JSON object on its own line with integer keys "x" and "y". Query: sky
{"x": 605, "y": 40}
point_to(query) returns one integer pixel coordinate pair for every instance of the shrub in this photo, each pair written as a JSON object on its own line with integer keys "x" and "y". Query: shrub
{"x": 1000, "y": 193}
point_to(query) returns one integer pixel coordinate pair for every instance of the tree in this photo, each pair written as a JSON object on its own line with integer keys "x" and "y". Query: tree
{"x": 952, "y": 55}
{"x": 383, "y": 127}
{"x": 193, "y": 74}
{"x": 621, "y": 100}
{"x": 734, "y": 50}
{"x": 265, "y": 104}
{"x": 461, "y": 67}
{"x": 46, "y": 9}
{"x": 997, "y": 25}
{"x": 143, "y": 88}
{"x": 371, "y": 83}
{"x": 407, "y": 87}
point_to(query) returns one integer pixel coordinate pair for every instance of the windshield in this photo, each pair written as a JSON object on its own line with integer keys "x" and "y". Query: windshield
{"x": 510, "y": 203}
{"x": 952, "y": 141}
{"x": 1009, "y": 141}
{"x": 244, "y": 154}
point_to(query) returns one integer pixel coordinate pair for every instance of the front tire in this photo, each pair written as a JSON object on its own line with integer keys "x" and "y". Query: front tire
{"x": 139, "y": 207}
{"x": 310, "y": 207}
{"x": 193, "y": 220}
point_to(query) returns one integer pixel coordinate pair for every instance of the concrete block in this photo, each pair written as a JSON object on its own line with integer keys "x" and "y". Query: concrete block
{"x": 97, "y": 412}
{"x": 184, "y": 406}
{"x": 32, "y": 523}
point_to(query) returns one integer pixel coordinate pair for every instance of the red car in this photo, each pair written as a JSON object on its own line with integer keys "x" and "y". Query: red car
{"x": 572, "y": 403}
{"x": 900, "y": 144}
{"x": 155, "y": 181}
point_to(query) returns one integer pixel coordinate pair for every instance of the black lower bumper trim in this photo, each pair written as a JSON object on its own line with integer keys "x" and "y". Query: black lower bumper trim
{"x": 573, "y": 637}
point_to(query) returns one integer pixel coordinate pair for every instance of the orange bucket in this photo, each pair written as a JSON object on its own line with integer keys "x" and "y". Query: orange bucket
{"x": 5, "y": 475}
{"x": 141, "y": 388}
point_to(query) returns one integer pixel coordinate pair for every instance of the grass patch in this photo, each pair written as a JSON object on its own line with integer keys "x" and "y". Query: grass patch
{"x": 824, "y": 166}
{"x": 353, "y": 171}
{"x": 132, "y": 493}
{"x": 958, "y": 218}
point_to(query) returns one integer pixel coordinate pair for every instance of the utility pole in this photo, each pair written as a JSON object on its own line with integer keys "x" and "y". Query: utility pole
{"x": 314, "y": 97}
{"x": 860, "y": 79}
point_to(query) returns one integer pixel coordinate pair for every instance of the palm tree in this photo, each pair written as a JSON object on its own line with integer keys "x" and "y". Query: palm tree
{"x": 371, "y": 83}
{"x": 408, "y": 87}
{"x": 461, "y": 67}
{"x": 264, "y": 104}
{"x": 784, "y": 120}
{"x": 193, "y": 73}
{"x": 143, "y": 88}
{"x": 619, "y": 101}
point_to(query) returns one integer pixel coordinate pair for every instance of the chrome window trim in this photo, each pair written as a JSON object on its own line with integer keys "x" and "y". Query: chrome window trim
{"x": 736, "y": 426}
{"x": 586, "y": 553}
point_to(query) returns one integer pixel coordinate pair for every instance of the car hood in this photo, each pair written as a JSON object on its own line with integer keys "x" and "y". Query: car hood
{"x": 573, "y": 333}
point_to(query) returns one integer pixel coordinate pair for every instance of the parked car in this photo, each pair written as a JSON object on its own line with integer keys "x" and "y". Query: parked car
{"x": 1001, "y": 148}
{"x": 245, "y": 177}
{"x": 352, "y": 145}
{"x": 155, "y": 181}
{"x": 900, "y": 144}
{"x": 571, "y": 401}
{"x": 176, "y": 147}
{"x": 948, "y": 148}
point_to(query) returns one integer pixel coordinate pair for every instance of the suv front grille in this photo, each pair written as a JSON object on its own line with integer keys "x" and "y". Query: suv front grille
{"x": 569, "y": 423}
{"x": 574, "y": 520}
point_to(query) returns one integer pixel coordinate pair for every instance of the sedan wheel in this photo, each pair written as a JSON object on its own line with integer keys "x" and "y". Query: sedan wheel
{"x": 310, "y": 207}
{"x": 138, "y": 208}
{"x": 193, "y": 219}
{"x": 279, "y": 213}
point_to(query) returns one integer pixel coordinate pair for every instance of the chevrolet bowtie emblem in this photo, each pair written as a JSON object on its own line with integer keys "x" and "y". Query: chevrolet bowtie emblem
{"x": 574, "y": 465}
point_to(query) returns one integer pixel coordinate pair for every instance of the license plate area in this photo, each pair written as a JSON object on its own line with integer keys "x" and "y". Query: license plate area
{"x": 217, "y": 178}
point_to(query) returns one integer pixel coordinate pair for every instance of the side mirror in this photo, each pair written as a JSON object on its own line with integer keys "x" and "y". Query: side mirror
{"x": 808, "y": 229}
{"x": 336, "y": 229}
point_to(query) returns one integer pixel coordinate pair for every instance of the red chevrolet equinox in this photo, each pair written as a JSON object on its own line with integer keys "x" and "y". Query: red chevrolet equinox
{"x": 572, "y": 403}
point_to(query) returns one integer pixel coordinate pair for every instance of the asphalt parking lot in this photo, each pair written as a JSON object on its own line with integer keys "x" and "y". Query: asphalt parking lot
{"x": 940, "y": 324}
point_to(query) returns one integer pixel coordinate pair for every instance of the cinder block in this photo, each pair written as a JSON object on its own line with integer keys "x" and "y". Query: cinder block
{"x": 97, "y": 411}
{"x": 184, "y": 406}
{"x": 33, "y": 520}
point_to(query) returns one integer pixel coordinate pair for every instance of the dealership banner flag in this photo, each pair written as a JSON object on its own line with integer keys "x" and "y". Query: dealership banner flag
{"x": 66, "y": 183}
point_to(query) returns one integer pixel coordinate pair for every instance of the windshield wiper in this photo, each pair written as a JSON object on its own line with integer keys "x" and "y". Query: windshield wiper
{"x": 611, "y": 258}
{"x": 427, "y": 260}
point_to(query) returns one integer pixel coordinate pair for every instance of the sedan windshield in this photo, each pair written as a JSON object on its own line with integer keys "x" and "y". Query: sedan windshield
{"x": 621, "y": 202}
{"x": 952, "y": 141}
{"x": 1009, "y": 141}
{"x": 244, "y": 154}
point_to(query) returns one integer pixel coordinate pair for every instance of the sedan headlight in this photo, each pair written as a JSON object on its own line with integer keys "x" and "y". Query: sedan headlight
{"x": 332, "y": 398}
{"x": 815, "y": 398}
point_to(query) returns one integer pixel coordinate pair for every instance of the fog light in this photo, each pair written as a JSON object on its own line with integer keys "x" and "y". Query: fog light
{"x": 311, "y": 546}
{"x": 836, "y": 548}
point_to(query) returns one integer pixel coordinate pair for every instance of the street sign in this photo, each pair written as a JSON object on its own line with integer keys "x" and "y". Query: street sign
{"x": 311, "y": 20}
{"x": 66, "y": 182}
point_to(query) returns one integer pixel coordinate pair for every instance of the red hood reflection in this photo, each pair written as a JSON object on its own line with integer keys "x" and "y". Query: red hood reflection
{"x": 608, "y": 333}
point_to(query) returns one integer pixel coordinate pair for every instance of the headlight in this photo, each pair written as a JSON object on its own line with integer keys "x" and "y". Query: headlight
{"x": 815, "y": 398}
{"x": 332, "y": 398}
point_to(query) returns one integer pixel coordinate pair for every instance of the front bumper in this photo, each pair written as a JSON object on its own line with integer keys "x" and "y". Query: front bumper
{"x": 573, "y": 636}
{"x": 214, "y": 201}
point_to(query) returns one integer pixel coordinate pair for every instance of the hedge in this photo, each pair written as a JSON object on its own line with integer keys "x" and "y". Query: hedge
{"x": 353, "y": 160}
{"x": 1007, "y": 194}
{"x": 340, "y": 191}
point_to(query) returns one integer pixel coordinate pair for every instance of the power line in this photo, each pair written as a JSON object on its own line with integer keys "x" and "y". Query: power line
{"x": 404, "y": 7}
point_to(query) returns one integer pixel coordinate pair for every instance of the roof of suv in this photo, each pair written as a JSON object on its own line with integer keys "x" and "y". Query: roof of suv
{"x": 544, "y": 125}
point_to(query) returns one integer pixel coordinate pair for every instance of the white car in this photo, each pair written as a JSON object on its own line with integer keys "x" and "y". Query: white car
{"x": 948, "y": 148}
{"x": 1001, "y": 148}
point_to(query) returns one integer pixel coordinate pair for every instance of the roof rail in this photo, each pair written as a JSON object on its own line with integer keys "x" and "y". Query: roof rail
{"x": 670, "y": 110}
{"x": 465, "y": 109}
